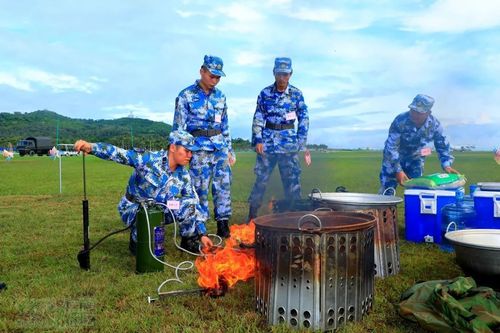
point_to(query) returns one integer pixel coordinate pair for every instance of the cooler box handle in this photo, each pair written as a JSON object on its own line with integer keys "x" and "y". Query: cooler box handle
{"x": 496, "y": 205}
{"x": 428, "y": 203}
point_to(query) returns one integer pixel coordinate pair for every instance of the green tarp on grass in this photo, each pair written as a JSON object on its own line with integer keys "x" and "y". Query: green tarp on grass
{"x": 452, "y": 306}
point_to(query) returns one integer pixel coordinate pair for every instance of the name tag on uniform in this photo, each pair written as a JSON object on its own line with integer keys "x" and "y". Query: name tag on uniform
{"x": 290, "y": 116}
{"x": 218, "y": 118}
{"x": 426, "y": 151}
{"x": 173, "y": 204}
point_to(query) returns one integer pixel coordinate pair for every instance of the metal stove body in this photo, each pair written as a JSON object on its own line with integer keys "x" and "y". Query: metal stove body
{"x": 314, "y": 270}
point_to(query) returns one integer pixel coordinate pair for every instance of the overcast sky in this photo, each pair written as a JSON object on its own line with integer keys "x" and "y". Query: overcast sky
{"x": 358, "y": 63}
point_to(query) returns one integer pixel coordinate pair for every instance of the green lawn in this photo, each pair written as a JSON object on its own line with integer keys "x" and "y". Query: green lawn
{"x": 40, "y": 235}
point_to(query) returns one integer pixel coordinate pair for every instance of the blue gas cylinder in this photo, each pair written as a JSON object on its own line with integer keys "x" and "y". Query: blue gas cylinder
{"x": 457, "y": 216}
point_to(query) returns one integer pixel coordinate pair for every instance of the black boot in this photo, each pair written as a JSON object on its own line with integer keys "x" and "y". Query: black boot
{"x": 252, "y": 213}
{"x": 132, "y": 246}
{"x": 191, "y": 244}
{"x": 223, "y": 228}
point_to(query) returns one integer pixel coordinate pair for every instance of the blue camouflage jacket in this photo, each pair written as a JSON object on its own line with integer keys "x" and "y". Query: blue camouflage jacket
{"x": 196, "y": 110}
{"x": 280, "y": 108}
{"x": 152, "y": 179}
{"x": 405, "y": 142}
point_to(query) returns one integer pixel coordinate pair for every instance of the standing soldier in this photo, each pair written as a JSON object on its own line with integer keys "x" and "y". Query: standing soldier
{"x": 407, "y": 145}
{"x": 274, "y": 136}
{"x": 201, "y": 110}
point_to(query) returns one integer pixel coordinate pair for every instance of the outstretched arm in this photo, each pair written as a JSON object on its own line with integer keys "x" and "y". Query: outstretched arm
{"x": 109, "y": 152}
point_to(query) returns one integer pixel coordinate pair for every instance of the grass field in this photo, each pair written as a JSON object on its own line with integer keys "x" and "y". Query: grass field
{"x": 40, "y": 235}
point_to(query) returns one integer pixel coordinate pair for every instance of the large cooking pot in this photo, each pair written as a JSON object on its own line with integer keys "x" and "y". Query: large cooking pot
{"x": 489, "y": 186}
{"x": 478, "y": 253}
{"x": 347, "y": 201}
{"x": 384, "y": 208}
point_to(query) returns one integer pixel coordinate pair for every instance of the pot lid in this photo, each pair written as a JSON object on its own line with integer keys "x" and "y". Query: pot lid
{"x": 489, "y": 186}
{"x": 316, "y": 222}
{"x": 356, "y": 198}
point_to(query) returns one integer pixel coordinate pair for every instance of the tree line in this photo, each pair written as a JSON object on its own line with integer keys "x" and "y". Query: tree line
{"x": 123, "y": 132}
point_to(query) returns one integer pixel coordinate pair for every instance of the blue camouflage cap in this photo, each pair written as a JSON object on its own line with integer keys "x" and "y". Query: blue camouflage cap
{"x": 282, "y": 65}
{"x": 422, "y": 103}
{"x": 214, "y": 65}
{"x": 182, "y": 138}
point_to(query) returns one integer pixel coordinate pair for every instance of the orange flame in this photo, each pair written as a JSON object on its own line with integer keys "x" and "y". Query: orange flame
{"x": 230, "y": 263}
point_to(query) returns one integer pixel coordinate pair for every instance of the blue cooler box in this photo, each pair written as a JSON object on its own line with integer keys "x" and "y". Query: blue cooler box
{"x": 423, "y": 214}
{"x": 487, "y": 204}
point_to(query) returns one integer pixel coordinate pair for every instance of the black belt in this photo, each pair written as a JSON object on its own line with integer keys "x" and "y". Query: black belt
{"x": 130, "y": 197}
{"x": 208, "y": 132}
{"x": 279, "y": 126}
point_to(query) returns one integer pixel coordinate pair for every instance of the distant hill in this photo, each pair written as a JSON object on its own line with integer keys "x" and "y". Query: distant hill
{"x": 145, "y": 133}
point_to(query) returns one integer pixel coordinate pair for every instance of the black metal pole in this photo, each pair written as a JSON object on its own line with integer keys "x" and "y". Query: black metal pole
{"x": 84, "y": 255}
{"x": 85, "y": 204}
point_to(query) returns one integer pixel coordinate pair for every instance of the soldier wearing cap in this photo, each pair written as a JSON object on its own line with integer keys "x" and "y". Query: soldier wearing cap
{"x": 162, "y": 177}
{"x": 201, "y": 110}
{"x": 407, "y": 145}
{"x": 274, "y": 137}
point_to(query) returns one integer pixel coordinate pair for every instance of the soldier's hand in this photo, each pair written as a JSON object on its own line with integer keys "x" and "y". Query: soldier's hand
{"x": 84, "y": 146}
{"x": 401, "y": 177}
{"x": 206, "y": 242}
{"x": 259, "y": 149}
{"x": 231, "y": 159}
{"x": 451, "y": 170}
{"x": 307, "y": 157}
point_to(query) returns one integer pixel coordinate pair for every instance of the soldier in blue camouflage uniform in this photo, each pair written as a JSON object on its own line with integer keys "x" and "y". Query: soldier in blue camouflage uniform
{"x": 161, "y": 176}
{"x": 201, "y": 110}
{"x": 406, "y": 147}
{"x": 274, "y": 137}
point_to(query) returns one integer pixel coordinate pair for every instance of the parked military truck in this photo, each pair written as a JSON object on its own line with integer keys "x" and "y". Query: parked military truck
{"x": 39, "y": 145}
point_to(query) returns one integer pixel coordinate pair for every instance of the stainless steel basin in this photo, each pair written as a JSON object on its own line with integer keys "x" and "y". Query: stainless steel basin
{"x": 478, "y": 253}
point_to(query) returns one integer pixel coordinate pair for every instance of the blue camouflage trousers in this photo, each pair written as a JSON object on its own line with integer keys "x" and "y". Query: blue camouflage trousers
{"x": 413, "y": 168}
{"x": 206, "y": 166}
{"x": 289, "y": 168}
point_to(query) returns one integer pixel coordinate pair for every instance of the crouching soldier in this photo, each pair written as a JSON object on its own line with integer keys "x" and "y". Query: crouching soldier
{"x": 162, "y": 177}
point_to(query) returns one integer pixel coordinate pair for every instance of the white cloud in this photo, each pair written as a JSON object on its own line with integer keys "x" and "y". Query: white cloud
{"x": 323, "y": 15}
{"x": 237, "y": 78}
{"x": 14, "y": 82}
{"x": 98, "y": 79}
{"x": 342, "y": 17}
{"x": 188, "y": 14}
{"x": 362, "y": 107}
{"x": 137, "y": 111}
{"x": 238, "y": 18}
{"x": 314, "y": 95}
{"x": 240, "y": 114}
{"x": 251, "y": 58}
{"x": 128, "y": 107}
{"x": 27, "y": 78}
{"x": 185, "y": 14}
{"x": 278, "y": 2}
{"x": 458, "y": 106}
{"x": 455, "y": 16}
{"x": 241, "y": 13}
{"x": 241, "y": 108}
